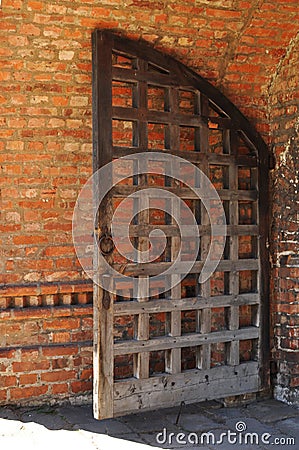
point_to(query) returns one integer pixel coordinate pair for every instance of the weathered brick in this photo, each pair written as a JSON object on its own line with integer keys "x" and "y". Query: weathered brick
{"x": 61, "y": 388}
{"x": 28, "y": 392}
{"x": 58, "y": 375}
{"x": 62, "y": 324}
{"x": 28, "y": 379}
{"x": 45, "y": 139}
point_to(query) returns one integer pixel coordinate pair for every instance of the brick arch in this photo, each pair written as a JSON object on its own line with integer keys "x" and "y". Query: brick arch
{"x": 238, "y": 46}
{"x": 261, "y": 50}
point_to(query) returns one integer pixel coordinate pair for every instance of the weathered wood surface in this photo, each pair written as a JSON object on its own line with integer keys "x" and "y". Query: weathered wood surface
{"x": 102, "y": 154}
{"x": 188, "y": 193}
{"x": 187, "y": 340}
{"x": 173, "y": 230}
{"x": 185, "y": 304}
{"x": 157, "y": 268}
{"x": 233, "y": 353}
{"x": 191, "y": 386}
{"x": 192, "y": 156}
{"x": 141, "y": 360}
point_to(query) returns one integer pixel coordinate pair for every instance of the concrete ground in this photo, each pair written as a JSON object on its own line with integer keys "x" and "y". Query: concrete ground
{"x": 260, "y": 425}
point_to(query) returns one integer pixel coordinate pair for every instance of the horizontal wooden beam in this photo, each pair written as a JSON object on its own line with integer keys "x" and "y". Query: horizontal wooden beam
{"x": 188, "y": 340}
{"x": 191, "y": 386}
{"x": 186, "y": 230}
{"x": 184, "y": 304}
{"x": 183, "y": 267}
{"x": 187, "y": 193}
{"x": 159, "y": 117}
{"x": 133, "y": 76}
{"x": 192, "y": 156}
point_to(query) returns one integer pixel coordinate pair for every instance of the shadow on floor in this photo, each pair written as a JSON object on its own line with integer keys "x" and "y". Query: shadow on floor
{"x": 167, "y": 428}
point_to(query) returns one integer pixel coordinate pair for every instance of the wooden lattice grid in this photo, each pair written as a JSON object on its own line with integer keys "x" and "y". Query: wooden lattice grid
{"x": 153, "y": 106}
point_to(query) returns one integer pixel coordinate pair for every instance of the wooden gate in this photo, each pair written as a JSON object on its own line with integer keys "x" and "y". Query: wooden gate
{"x": 192, "y": 342}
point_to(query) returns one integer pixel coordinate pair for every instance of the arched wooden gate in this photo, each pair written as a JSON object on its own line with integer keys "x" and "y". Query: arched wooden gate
{"x": 192, "y": 342}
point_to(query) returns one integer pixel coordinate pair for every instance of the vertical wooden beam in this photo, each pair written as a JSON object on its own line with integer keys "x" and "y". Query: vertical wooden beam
{"x": 203, "y": 356}
{"x": 173, "y": 357}
{"x": 232, "y": 355}
{"x": 141, "y": 360}
{"x": 102, "y": 154}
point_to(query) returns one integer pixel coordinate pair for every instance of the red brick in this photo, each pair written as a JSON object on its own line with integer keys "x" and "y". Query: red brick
{"x": 81, "y": 386}
{"x": 62, "y": 337}
{"x": 58, "y": 375}
{"x": 28, "y": 379}
{"x": 8, "y": 381}
{"x": 29, "y": 29}
{"x": 61, "y": 388}
{"x": 23, "y": 240}
{"x": 28, "y": 392}
{"x": 62, "y": 324}
{"x": 62, "y": 351}
{"x": 35, "y": 5}
{"x": 226, "y": 13}
{"x": 22, "y": 367}
{"x": 86, "y": 374}
{"x": 32, "y": 313}
{"x": 60, "y": 363}
{"x": 59, "y": 251}
{"x": 3, "y": 395}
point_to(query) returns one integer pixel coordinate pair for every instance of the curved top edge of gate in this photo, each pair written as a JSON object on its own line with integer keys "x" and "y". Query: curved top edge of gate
{"x": 144, "y": 50}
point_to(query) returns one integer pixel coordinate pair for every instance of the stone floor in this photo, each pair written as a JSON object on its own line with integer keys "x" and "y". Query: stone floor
{"x": 259, "y": 425}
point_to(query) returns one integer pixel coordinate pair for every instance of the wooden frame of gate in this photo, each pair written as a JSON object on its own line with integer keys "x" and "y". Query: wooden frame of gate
{"x": 188, "y": 103}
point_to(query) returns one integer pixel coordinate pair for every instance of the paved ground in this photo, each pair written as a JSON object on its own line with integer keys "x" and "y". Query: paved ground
{"x": 260, "y": 425}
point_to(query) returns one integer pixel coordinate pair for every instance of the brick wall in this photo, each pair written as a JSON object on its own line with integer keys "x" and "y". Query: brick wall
{"x": 245, "y": 48}
{"x": 46, "y": 344}
{"x": 285, "y": 227}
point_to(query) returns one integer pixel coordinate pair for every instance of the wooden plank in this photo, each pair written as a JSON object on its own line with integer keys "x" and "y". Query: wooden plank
{"x": 232, "y": 349}
{"x": 191, "y": 386}
{"x": 173, "y": 356}
{"x": 133, "y": 76}
{"x": 264, "y": 211}
{"x": 193, "y": 339}
{"x": 233, "y": 352}
{"x": 188, "y": 193}
{"x": 152, "y": 116}
{"x": 203, "y": 354}
{"x": 150, "y": 269}
{"x": 157, "y": 306}
{"x": 257, "y": 310}
{"x": 192, "y": 156}
{"x": 102, "y": 154}
{"x": 172, "y": 230}
{"x": 141, "y": 360}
